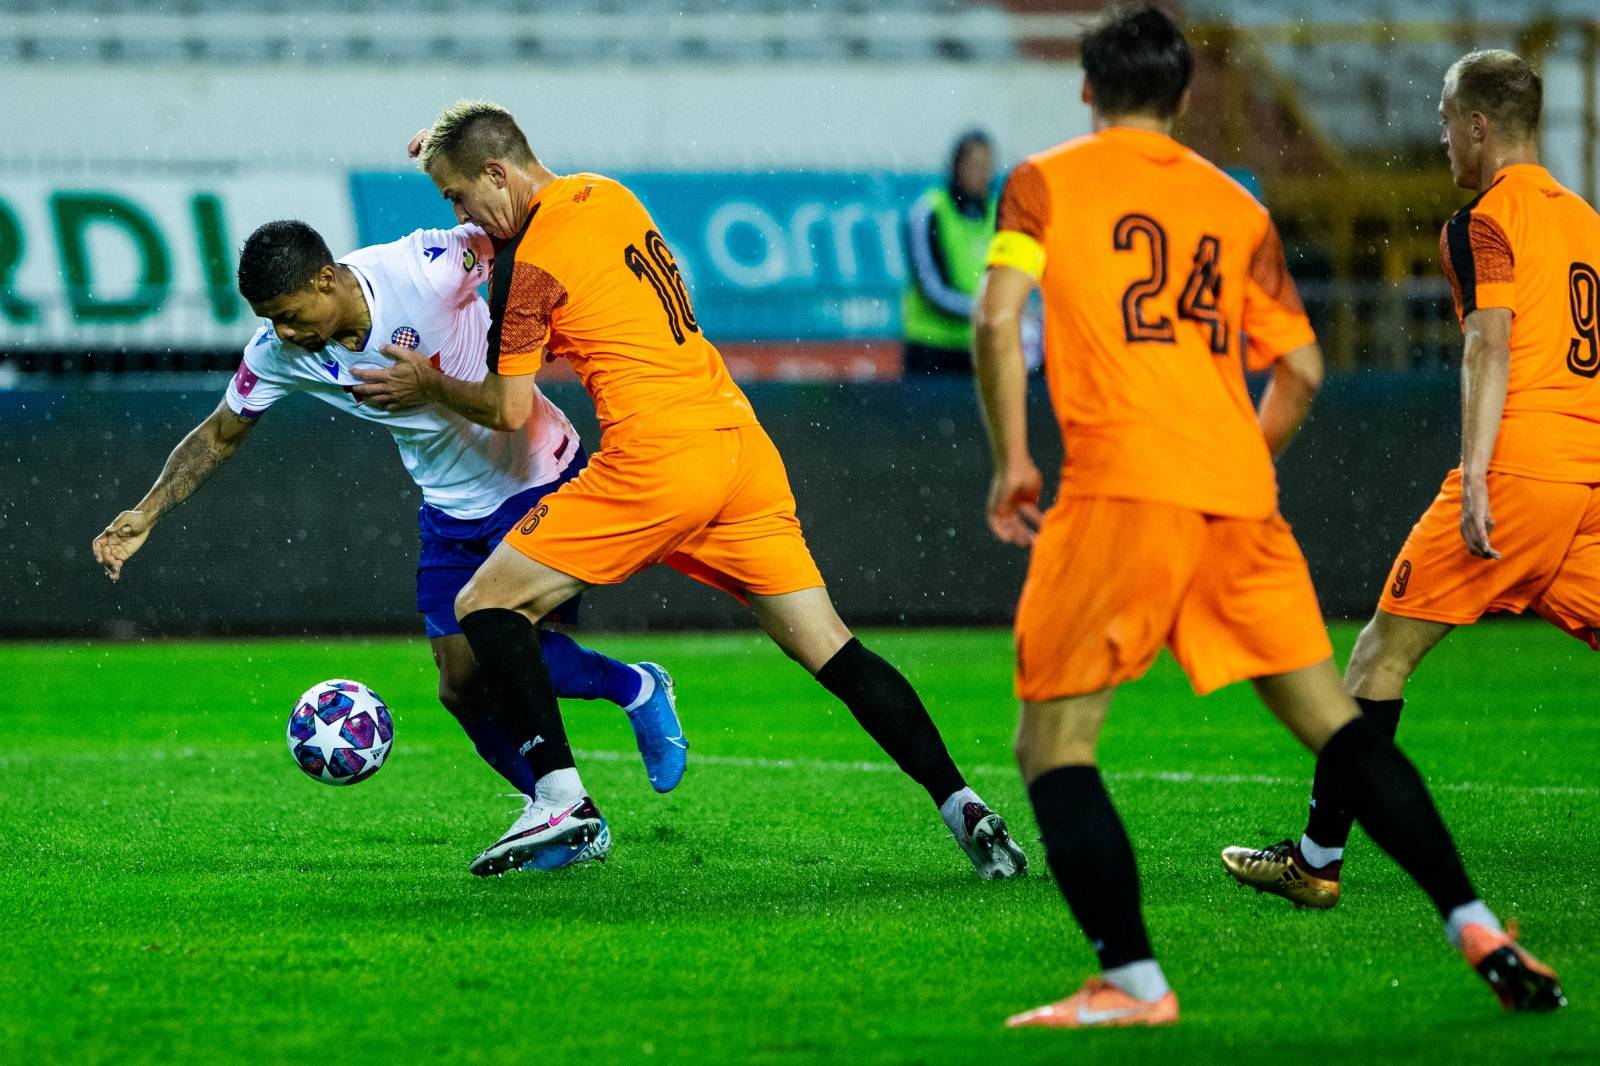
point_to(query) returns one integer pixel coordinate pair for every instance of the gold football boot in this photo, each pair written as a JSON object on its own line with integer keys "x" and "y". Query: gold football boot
{"x": 1277, "y": 869}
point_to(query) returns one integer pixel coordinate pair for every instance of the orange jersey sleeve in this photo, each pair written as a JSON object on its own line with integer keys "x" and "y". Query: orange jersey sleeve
{"x": 1275, "y": 321}
{"x": 1024, "y": 202}
{"x": 1021, "y": 220}
{"x": 524, "y": 300}
{"x": 1478, "y": 261}
{"x": 592, "y": 280}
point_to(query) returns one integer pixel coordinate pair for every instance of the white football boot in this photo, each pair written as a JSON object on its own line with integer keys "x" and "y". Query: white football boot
{"x": 574, "y": 852}
{"x": 982, "y": 834}
{"x": 542, "y": 824}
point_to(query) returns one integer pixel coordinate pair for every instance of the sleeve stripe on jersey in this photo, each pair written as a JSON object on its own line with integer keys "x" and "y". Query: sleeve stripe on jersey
{"x": 500, "y": 287}
{"x": 1012, "y": 249}
{"x": 1458, "y": 242}
{"x": 1269, "y": 269}
{"x": 1025, "y": 203}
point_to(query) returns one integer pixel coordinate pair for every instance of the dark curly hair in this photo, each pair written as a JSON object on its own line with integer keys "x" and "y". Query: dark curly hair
{"x": 280, "y": 257}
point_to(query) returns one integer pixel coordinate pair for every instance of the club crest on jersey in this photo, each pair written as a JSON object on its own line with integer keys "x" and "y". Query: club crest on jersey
{"x": 433, "y": 252}
{"x": 469, "y": 259}
{"x": 405, "y": 337}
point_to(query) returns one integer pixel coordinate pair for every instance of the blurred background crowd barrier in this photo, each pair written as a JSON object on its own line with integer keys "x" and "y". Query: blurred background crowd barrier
{"x": 311, "y": 527}
{"x": 779, "y": 147}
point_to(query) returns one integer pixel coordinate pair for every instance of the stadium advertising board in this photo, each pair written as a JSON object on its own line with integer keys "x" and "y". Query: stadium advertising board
{"x": 146, "y": 262}
{"x": 793, "y": 272}
{"x": 779, "y": 256}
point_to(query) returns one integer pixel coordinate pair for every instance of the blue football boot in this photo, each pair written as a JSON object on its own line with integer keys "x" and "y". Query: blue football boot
{"x": 659, "y": 733}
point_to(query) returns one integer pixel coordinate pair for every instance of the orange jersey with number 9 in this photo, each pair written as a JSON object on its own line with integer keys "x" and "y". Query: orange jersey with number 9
{"x": 590, "y": 279}
{"x": 1531, "y": 246}
{"x": 1163, "y": 279}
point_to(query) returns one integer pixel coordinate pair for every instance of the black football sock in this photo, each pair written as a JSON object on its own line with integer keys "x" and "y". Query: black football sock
{"x": 1089, "y": 853}
{"x": 500, "y": 749}
{"x": 494, "y": 744}
{"x": 1329, "y": 824}
{"x": 1362, "y": 771}
{"x": 889, "y": 709}
{"x": 517, "y": 688}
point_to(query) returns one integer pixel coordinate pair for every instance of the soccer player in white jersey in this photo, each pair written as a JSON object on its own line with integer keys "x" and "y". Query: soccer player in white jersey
{"x": 420, "y": 292}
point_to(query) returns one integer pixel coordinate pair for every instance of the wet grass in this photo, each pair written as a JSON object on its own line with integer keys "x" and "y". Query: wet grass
{"x": 173, "y": 889}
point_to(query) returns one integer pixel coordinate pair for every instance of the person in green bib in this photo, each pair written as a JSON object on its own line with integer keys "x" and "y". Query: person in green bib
{"x": 948, "y": 231}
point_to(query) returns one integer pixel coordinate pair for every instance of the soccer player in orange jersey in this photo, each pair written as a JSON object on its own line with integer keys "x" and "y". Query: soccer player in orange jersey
{"x": 685, "y": 476}
{"x": 1517, "y": 524}
{"x": 1163, "y": 281}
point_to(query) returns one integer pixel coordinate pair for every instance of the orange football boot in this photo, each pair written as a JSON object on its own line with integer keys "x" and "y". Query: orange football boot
{"x": 1520, "y": 981}
{"x": 1098, "y": 1004}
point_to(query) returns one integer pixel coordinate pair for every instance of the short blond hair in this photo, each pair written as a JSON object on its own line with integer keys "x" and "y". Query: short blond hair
{"x": 469, "y": 133}
{"x": 1498, "y": 84}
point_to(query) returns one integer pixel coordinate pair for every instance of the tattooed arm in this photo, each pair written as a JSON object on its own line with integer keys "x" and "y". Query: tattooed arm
{"x": 195, "y": 459}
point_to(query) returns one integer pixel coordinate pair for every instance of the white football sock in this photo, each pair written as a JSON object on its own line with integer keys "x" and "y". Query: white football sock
{"x": 950, "y": 810}
{"x": 559, "y": 788}
{"x": 1475, "y": 913}
{"x": 1316, "y": 854}
{"x": 647, "y": 687}
{"x": 1141, "y": 980}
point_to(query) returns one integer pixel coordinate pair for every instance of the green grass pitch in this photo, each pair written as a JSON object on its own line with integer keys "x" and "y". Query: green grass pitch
{"x": 172, "y": 889}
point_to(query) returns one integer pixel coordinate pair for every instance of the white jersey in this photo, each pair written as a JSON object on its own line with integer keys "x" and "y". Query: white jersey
{"x": 422, "y": 292}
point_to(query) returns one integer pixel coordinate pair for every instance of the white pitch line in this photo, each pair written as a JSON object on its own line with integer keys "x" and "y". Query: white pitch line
{"x": 835, "y": 766}
{"x": 1180, "y": 777}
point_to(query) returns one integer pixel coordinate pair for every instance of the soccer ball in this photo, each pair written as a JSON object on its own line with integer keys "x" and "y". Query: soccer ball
{"x": 340, "y": 732}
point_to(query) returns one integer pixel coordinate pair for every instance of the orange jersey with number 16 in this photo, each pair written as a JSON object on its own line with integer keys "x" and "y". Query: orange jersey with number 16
{"x": 1163, "y": 279}
{"x": 590, "y": 279}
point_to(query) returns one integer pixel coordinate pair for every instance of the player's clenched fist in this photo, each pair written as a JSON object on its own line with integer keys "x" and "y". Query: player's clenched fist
{"x": 117, "y": 542}
{"x": 1014, "y": 504}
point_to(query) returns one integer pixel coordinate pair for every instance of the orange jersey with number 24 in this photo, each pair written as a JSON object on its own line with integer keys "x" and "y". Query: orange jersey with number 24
{"x": 1162, "y": 280}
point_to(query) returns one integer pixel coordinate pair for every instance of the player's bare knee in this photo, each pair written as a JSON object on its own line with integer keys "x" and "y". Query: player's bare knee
{"x": 478, "y": 595}
{"x": 1361, "y": 671}
{"x": 1384, "y": 657}
{"x": 468, "y": 601}
{"x": 1024, "y": 747}
{"x": 1035, "y": 759}
{"x": 804, "y": 625}
{"x": 1052, "y": 736}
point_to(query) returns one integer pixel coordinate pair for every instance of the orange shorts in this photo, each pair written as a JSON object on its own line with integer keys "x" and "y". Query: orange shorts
{"x": 714, "y": 504}
{"x": 1111, "y": 581}
{"x": 1548, "y": 536}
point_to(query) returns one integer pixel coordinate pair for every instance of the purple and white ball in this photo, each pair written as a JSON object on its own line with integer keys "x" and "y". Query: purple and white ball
{"x": 340, "y": 732}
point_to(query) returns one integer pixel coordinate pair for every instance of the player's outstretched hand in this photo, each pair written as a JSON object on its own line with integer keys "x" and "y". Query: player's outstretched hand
{"x": 117, "y": 542}
{"x": 1476, "y": 521}
{"x": 418, "y": 140}
{"x": 404, "y": 384}
{"x": 1014, "y": 504}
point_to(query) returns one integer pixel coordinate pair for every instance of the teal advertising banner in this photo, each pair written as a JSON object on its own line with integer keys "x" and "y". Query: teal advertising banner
{"x": 797, "y": 256}
{"x": 793, "y": 256}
